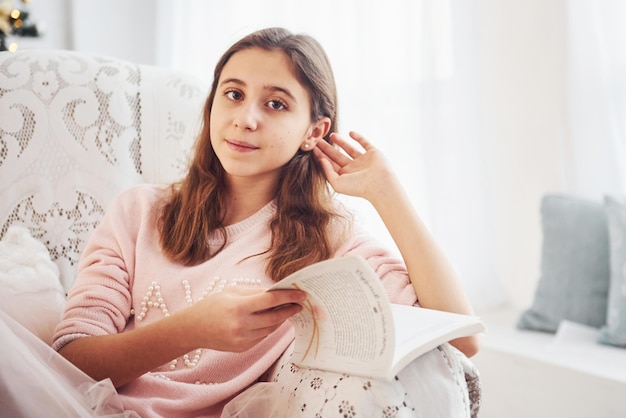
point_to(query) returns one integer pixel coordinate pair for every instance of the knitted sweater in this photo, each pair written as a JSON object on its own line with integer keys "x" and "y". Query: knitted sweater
{"x": 122, "y": 265}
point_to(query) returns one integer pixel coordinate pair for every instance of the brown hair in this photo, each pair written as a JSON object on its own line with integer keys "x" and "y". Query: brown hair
{"x": 300, "y": 229}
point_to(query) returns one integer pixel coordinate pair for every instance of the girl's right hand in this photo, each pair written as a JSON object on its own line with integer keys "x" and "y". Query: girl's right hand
{"x": 236, "y": 319}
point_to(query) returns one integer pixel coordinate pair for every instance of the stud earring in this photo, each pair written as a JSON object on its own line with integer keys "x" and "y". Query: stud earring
{"x": 306, "y": 146}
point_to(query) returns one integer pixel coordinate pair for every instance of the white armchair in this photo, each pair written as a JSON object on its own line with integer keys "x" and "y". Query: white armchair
{"x": 77, "y": 128}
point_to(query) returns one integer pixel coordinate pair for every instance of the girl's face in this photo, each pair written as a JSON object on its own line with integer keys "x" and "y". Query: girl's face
{"x": 261, "y": 115}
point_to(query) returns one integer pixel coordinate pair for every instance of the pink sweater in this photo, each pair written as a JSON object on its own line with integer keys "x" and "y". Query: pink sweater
{"x": 122, "y": 265}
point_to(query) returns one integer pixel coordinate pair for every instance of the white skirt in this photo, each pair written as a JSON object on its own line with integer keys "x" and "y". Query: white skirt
{"x": 442, "y": 383}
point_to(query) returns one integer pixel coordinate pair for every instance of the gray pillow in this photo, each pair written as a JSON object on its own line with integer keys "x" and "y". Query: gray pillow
{"x": 574, "y": 279}
{"x": 614, "y": 332}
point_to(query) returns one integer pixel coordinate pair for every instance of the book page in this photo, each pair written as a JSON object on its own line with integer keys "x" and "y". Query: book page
{"x": 419, "y": 330}
{"x": 346, "y": 323}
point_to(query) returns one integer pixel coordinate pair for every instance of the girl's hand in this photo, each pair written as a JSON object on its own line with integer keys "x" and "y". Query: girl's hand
{"x": 233, "y": 320}
{"x": 366, "y": 173}
{"x": 238, "y": 318}
{"x": 352, "y": 171}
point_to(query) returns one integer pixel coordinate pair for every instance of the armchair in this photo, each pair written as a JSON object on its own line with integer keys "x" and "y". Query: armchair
{"x": 77, "y": 128}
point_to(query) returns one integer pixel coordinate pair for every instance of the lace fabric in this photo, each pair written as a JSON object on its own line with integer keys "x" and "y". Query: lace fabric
{"x": 76, "y": 129}
{"x": 439, "y": 384}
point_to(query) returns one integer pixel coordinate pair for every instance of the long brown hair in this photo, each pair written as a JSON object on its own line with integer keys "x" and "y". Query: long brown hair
{"x": 300, "y": 229}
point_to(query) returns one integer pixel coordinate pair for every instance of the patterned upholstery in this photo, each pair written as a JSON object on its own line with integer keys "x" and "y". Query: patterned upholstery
{"x": 77, "y": 128}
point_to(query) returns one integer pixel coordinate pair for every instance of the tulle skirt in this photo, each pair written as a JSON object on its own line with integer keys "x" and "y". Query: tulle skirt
{"x": 38, "y": 382}
{"x": 442, "y": 383}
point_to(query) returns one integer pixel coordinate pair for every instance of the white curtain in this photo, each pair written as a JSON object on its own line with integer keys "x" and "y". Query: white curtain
{"x": 597, "y": 95}
{"x": 405, "y": 73}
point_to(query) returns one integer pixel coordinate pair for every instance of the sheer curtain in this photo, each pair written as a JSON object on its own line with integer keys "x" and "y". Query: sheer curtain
{"x": 405, "y": 73}
{"x": 597, "y": 95}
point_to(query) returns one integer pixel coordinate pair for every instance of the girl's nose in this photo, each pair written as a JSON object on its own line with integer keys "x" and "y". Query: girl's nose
{"x": 246, "y": 117}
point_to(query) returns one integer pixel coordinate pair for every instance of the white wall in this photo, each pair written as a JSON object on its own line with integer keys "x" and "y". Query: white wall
{"x": 120, "y": 28}
{"x": 124, "y": 29}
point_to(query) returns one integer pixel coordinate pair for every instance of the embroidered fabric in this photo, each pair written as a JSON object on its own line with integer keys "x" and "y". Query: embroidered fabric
{"x": 77, "y": 128}
{"x": 435, "y": 385}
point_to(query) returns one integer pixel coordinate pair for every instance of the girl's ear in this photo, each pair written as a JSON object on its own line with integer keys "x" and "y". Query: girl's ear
{"x": 317, "y": 132}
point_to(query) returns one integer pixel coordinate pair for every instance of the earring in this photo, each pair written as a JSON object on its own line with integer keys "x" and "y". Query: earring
{"x": 306, "y": 145}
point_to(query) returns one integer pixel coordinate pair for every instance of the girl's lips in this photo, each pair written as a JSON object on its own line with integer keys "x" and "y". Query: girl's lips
{"x": 240, "y": 146}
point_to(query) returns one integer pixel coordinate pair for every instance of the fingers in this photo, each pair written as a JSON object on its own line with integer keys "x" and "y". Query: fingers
{"x": 350, "y": 151}
{"x": 331, "y": 153}
{"x": 274, "y": 317}
{"x": 252, "y": 337}
{"x": 263, "y": 322}
{"x": 270, "y": 309}
{"x": 339, "y": 159}
{"x": 346, "y": 146}
{"x": 268, "y": 301}
{"x": 331, "y": 169}
{"x": 349, "y": 148}
{"x": 361, "y": 140}
{"x": 246, "y": 316}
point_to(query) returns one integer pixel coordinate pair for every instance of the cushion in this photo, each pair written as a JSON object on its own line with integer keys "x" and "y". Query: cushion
{"x": 574, "y": 276}
{"x": 30, "y": 290}
{"x": 614, "y": 332}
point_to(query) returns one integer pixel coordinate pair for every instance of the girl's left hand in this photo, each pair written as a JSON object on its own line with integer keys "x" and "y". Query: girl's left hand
{"x": 363, "y": 173}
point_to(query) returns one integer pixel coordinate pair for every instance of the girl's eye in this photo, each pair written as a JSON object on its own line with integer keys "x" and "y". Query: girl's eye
{"x": 277, "y": 105}
{"x": 234, "y": 95}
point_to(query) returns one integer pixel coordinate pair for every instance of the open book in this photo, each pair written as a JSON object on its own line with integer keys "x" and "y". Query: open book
{"x": 349, "y": 326}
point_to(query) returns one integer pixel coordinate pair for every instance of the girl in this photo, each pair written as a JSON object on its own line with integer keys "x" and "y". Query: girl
{"x": 169, "y": 302}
